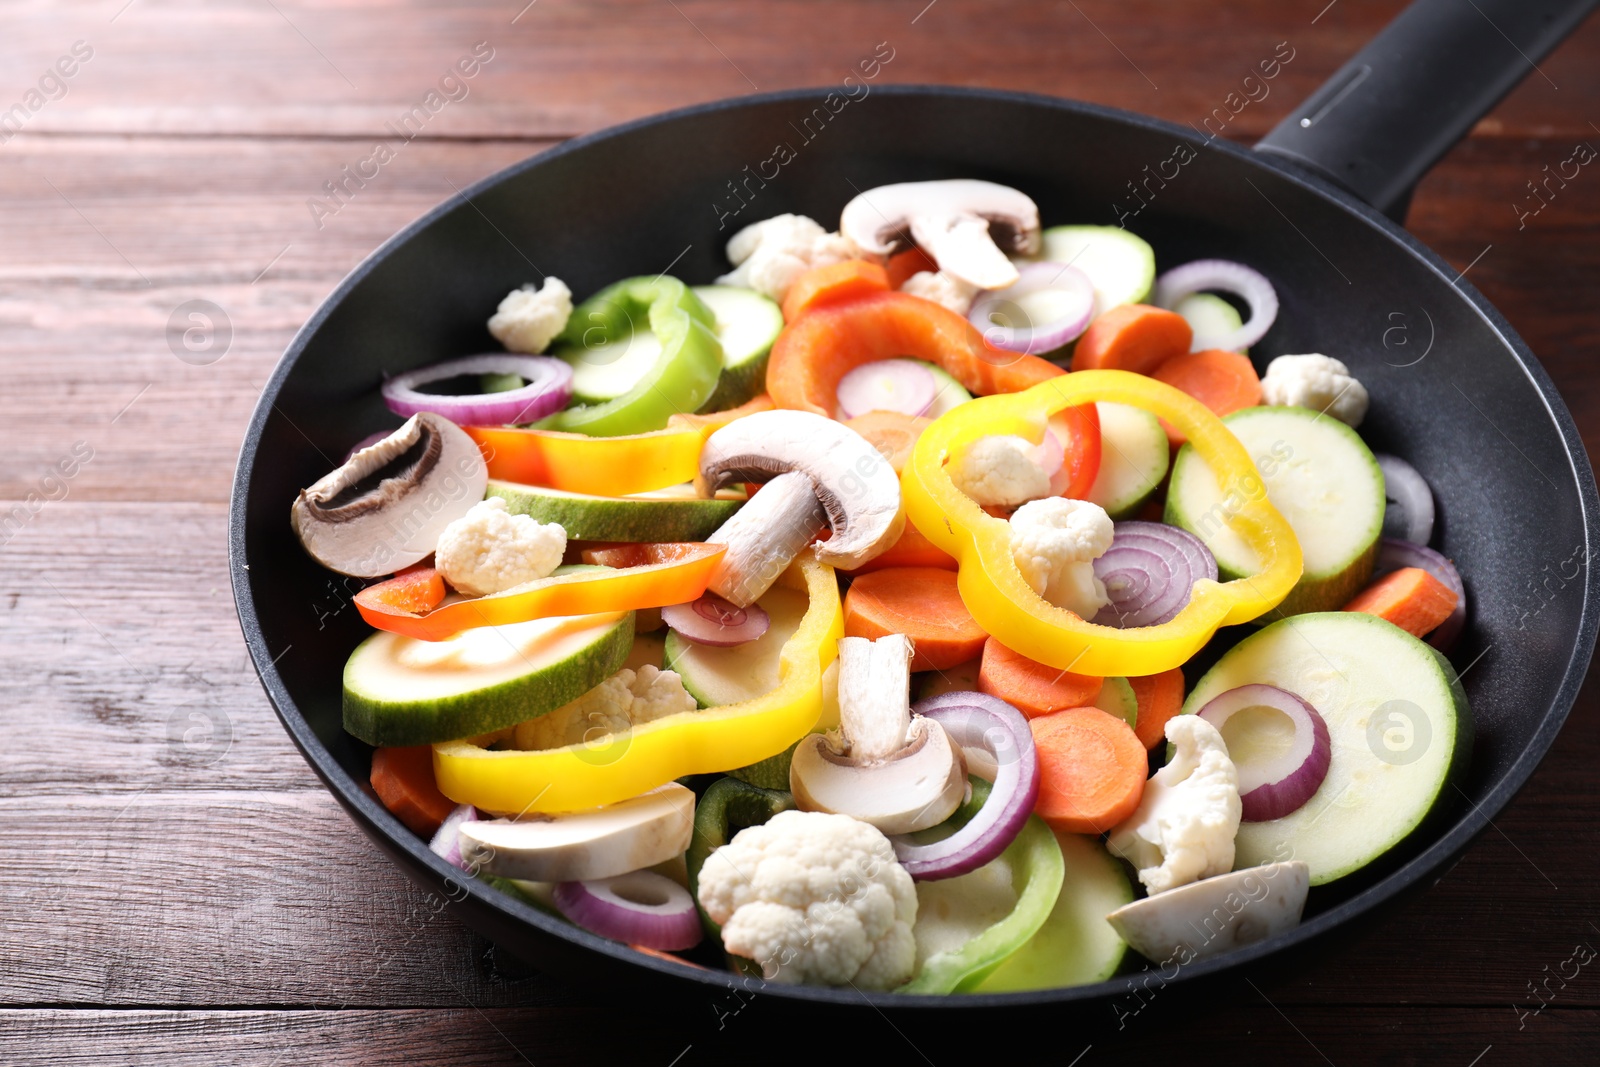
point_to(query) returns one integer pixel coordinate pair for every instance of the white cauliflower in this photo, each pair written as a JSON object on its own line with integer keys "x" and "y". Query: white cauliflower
{"x": 488, "y": 550}
{"x": 814, "y": 897}
{"x": 530, "y": 318}
{"x": 1184, "y": 827}
{"x": 769, "y": 255}
{"x": 1318, "y": 382}
{"x": 624, "y": 700}
{"x": 1055, "y": 542}
{"x": 943, "y": 289}
{"x": 999, "y": 469}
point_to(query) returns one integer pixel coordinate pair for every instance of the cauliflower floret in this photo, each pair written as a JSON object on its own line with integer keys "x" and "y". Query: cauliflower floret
{"x": 1055, "y": 542}
{"x": 768, "y": 256}
{"x": 530, "y": 318}
{"x": 1184, "y": 827}
{"x": 488, "y": 550}
{"x": 624, "y": 700}
{"x": 1318, "y": 382}
{"x": 999, "y": 469}
{"x": 814, "y": 897}
{"x": 943, "y": 289}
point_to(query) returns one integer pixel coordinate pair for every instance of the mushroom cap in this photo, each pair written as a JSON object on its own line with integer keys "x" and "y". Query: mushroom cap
{"x": 968, "y": 226}
{"x": 385, "y": 508}
{"x": 1216, "y": 914}
{"x": 918, "y": 787}
{"x": 855, "y": 485}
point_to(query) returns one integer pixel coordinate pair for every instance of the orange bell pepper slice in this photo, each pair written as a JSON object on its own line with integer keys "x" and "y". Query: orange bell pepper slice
{"x": 653, "y": 576}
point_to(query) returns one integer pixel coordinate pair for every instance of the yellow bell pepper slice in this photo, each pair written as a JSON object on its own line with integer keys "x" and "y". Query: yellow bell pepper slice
{"x": 697, "y": 742}
{"x": 1005, "y": 605}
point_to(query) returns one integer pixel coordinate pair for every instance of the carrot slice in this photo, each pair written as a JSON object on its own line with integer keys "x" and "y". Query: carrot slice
{"x": 403, "y": 780}
{"x": 893, "y": 434}
{"x": 1033, "y": 688}
{"x": 1160, "y": 697}
{"x": 1135, "y": 337}
{"x": 912, "y": 550}
{"x": 923, "y": 604}
{"x": 1091, "y": 770}
{"x": 1223, "y": 381}
{"x": 903, "y": 265}
{"x": 1411, "y": 598}
{"x": 832, "y": 283}
{"x": 718, "y": 419}
{"x": 822, "y": 346}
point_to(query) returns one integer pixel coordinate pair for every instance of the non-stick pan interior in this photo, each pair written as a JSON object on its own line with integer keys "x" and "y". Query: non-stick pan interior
{"x": 1448, "y": 390}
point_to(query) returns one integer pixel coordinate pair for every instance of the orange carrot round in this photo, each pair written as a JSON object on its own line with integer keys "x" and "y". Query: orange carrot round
{"x": 834, "y": 282}
{"x": 1160, "y": 697}
{"x": 893, "y": 434}
{"x": 1223, "y": 381}
{"x": 923, "y": 604}
{"x": 911, "y": 550}
{"x": 1033, "y": 688}
{"x": 1091, "y": 770}
{"x": 1411, "y": 598}
{"x": 403, "y": 780}
{"x": 815, "y": 351}
{"x": 1134, "y": 337}
{"x": 903, "y": 265}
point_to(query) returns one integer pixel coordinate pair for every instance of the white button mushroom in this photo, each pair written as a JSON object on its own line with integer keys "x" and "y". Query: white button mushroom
{"x": 967, "y": 226}
{"x": 1216, "y": 914}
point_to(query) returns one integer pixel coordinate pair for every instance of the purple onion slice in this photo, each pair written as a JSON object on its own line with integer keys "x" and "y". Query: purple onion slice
{"x": 548, "y": 388}
{"x": 1222, "y": 276}
{"x": 639, "y": 908}
{"x": 902, "y": 385}
{"x": 1394, "y": 555}
{"x": 1408, "y": 493}
{"x": 1049, "y": 305}
{"x": 446, "y": 841}
{"x": 714, "y": 621}
{"x": 1149, "y": 573}
{"x": 1271, "y": 787}
{"x": 988, "y": 724}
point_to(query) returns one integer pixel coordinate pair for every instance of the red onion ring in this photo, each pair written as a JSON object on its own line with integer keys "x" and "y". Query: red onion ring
{"x": 1072, "y": 289}
{"x": 714, "y": 621}
{"x": 446, "y": 841}
{"x": 1149, "y": 573}
{"x": 548, "y": 390}
{"x": 639, "y": 908}
{"x": 1395, "y": 554}
{"x": 1274, "y": 787}
{"x": 979, "y": 721}
{"x": 902, "y": 385}
{"x": 1222, "y": 275}
{"x": 1408, "y": 491}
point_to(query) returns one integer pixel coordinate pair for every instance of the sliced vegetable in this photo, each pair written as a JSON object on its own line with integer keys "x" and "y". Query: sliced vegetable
{"x": 710, "y": 620}
{"x": 1407, "y": 493}
{"x": 1223, "y": 381}
{"x": 602, "y": 466}
{"x": 911, "y": 550}
{"x": 997, "y": 736}
{"x": 676, "y": 513}
{"x": 417, "y": 590}
{"x": 1411, "y": 598}
{"x": 891, "y": 433}
{"x": 660, "y": 311}
{"x": 921, "y": 602}
{"x": 1091, "y": 770}
{"x": 548, "y": 388}
{"x": 1149, "y": 573}
{"x": 1117, "y": 698}
{"x": 1121, "y": 266}
{"x": 1394, "y": 554}
{"x": 1209, "y": 315}
{"x": 1160, "y": 697}
{"x": 446, "y": 841}
{"x": 966, "y": 226}
{"x": 902, "y": 265}
{"x": 898, "y": 385}
{"x": 731, "y": 674}
{"x": 947, "y": 391}
{"x": 1134, "y": 456}
{"x": 830, "y": 284}
{"x": 1048, "y": 306}
{"x": 783, "y": 517}
{"x": 1278, "y": 744}
{"x": 400, "y": 690}
{"x": 1033, "y": 688}
{"x": 1133, "y": 337}
{"x": 643, "y": 576}
{"x": 1215, "y": 915}
{"x": 962, "y": 678}
{"x": 1077, "y": 429}
{"x": 637, "y": 908}
{"x": 403, "y": 779}
{"x": 599, "y": 842}
{"x": 746, "y": 324}
{"x": 1225, "y": 276}
{"x": 728, "y": 806}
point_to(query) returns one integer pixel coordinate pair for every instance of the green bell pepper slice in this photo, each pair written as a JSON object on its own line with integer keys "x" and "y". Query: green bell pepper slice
{"x": 680, "y": 380}
{"x": 727, "y": 806}
{"x": 956, "y": 917}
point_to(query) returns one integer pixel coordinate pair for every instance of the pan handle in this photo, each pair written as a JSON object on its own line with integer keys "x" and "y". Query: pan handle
{"x": 1399, "y": 104}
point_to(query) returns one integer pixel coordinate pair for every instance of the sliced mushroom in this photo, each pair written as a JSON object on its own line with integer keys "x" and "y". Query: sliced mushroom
{"x": 765, "y": 536}
{"x": 385, "y": 508}
{"x": 574, "y": 846}
{"x": 857, "y": 489}
{"x": 967, "y": 226}
{"x": 1215, "y": 914}
{"x": 883, "y": 767}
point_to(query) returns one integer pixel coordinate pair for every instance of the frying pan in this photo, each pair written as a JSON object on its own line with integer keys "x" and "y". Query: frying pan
{"x": 1316, "y": 207}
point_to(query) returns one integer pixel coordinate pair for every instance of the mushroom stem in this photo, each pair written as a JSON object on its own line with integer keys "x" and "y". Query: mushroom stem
{"x": 874, "y": 695}
{"x": 765, "y": 536}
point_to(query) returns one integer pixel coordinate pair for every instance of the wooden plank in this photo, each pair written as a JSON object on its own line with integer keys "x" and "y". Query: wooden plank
{"x": 561, "y": 67}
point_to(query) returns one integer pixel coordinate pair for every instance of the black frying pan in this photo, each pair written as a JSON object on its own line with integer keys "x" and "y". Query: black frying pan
{"x": 1313, "y": 207}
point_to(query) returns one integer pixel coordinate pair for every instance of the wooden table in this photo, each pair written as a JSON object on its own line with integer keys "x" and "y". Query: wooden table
{"x": 177, "y": 887}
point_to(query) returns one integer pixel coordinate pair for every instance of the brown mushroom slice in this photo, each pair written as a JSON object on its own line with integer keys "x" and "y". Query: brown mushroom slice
{"x": 386, "y": 506}
{"x": 1215, "y": 914}
{"x": 967, "y": 226}
{"x": 884, "y": 767}
{"x": 858, "y": 490}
